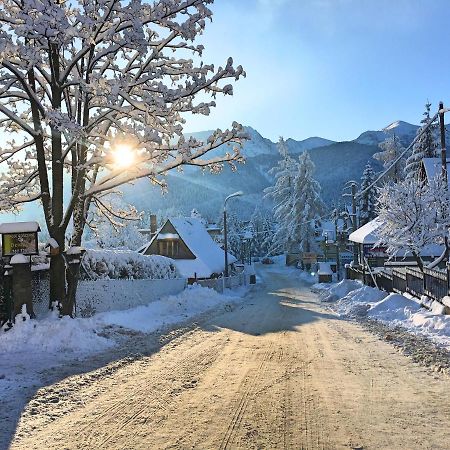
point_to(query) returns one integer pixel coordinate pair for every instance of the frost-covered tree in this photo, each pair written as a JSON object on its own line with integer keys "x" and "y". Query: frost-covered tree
{"x": 391, "y": 149}
{"x": 307, "y": 205}
{"x": 413, "y": 215}
{"x": 127, "y": 237}
{"x": 425, "y": 147}
{"x": 367, "y": 195}
{"x": 281, "y": 193}
{"x": 96, "y": 93}
{"x": 235, "y": 230}
{"x": 262, "y": 226}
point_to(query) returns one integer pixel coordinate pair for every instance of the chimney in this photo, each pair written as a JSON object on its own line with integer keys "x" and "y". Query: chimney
{"x": 153, "y": 226}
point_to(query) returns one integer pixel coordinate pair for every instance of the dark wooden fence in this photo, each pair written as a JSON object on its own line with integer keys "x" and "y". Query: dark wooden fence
{"x": 398, "y": 281}
{"x": 433, "y": 283}
{"x": 414, "y": 282}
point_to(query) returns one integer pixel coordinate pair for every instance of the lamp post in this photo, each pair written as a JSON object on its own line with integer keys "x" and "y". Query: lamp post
{"x": 235, "y": 194}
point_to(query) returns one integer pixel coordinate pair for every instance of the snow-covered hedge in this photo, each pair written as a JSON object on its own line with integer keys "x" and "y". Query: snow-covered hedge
{"x": 122, "y": 264}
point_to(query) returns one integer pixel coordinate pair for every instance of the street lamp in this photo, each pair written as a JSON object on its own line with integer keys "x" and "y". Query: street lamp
{"x": 235, "y": 194}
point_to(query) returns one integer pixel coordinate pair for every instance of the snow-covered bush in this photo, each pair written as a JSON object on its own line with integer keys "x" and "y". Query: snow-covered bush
{"x": 121, "y": 264}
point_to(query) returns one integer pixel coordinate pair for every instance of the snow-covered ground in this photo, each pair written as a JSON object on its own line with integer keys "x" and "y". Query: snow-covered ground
{"x": 33, "y": 347}
{"x": 353, "y": 299}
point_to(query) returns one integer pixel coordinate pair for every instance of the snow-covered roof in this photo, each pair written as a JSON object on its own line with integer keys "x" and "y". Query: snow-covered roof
{"x": 19, "y": 227}
{"x": 209, "y": 257}
{"x": 433, "y": 167}
{"x": 367, "y": 233}
{"x": 325, "y": 269}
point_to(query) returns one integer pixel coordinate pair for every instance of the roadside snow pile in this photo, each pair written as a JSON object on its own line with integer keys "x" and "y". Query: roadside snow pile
{"x": 352, "y": 299}
{"x": 192, "y": 301}
{"x": 52, "y": 335}
{"x": 393, "y": 308}
{"x": 357, "y": 302}
{"x": 122, "y": 264}
{"x": 431, "y": 323}
{"x": 332, "y": 292}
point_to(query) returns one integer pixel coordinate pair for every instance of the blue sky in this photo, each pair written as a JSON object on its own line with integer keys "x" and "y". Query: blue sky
{"x": 329, "y": 68}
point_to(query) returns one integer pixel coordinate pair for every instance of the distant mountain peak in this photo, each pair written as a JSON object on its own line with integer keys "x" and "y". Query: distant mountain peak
{"x": 399, "y": 126}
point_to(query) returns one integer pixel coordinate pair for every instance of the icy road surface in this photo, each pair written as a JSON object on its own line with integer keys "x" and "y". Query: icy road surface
{"x": 277, "y": 371}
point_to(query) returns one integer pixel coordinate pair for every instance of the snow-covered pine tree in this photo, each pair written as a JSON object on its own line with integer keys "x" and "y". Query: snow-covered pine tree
{"x": 281, "y": 193}
{"x": 235, "y": 230}
{"x": 367, "y": 196}
{"x": 307, "y": 205}
{"x": 96, "y": 93}
{"x": 391, "y": 150}
{"x": 262, "y": 227}
{"x": 425, "y": 147}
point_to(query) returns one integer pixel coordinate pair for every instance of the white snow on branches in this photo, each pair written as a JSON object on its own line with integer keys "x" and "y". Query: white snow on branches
{"x": 79, "y": 78}
{"x": 122, "y": 264}
{"x": 413, "y": 214}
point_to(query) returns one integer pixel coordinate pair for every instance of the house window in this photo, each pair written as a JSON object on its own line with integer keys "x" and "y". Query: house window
{"x": 169, "y": 248}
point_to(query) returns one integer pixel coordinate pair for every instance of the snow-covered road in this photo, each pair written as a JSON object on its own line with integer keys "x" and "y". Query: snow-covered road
{"x": 276, "y": 371}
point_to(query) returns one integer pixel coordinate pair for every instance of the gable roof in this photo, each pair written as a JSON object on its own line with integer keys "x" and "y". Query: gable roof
{"x": 209, "y": 257}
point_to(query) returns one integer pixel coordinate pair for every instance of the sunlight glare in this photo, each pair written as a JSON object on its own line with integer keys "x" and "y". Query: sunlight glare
{"x": 123, "y": 156}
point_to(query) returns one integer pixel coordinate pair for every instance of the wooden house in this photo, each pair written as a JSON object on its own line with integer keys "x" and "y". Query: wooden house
{"x": 188, "y": 243}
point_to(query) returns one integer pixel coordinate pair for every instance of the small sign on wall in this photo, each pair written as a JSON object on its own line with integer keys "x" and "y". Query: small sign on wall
{"x": 24, "y": 243}
{"x": 20, "y": 237}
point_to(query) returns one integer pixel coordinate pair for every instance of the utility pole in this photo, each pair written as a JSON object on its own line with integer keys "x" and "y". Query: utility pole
{"x": 336, "y": 241}
{"x": 354, "y": 223}
{"x": 444, "y": 164}
{"x": 352, "y": 185}
{"x": 443, "y": 149}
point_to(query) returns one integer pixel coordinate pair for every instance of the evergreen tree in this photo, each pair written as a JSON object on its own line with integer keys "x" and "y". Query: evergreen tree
{"x": 307, "y": 205}
{"x": 235, "y": 229}
{"x": 367, "y": 195}
{"x": 262, "y": 227}
{"x": 425, "y": 147}
{"x": 391, "y": 150}
{"x": 281, "y": 194}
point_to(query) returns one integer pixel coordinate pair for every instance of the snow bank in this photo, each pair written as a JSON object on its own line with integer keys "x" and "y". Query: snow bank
{"x": 53, "y": 335}
{"x": 192, "y": 301}
{"x": 431, "y": 324}
{"x": 332, "y": 292}
{"x": 122, "y": 264}
{"x": 393, "y": 308}
{"x": 352, "y": 299}
{"x": 357, "y": 302}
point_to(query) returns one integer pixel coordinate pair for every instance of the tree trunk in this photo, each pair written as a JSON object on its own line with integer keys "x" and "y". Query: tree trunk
{"x": 58, "y": 273}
